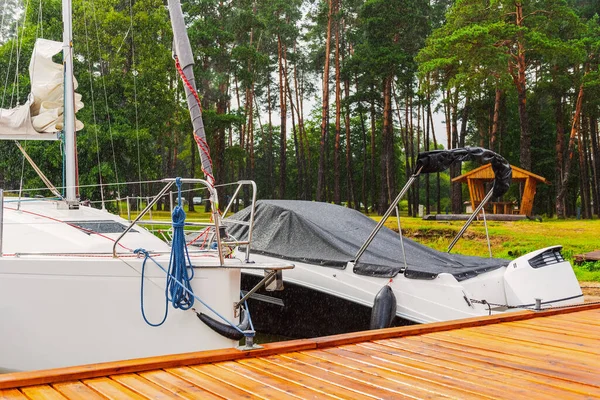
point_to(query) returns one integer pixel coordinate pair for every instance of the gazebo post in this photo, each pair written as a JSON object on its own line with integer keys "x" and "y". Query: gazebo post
{"x": 528, "y": 195}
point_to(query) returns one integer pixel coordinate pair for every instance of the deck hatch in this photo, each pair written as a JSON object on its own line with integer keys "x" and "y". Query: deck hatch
{"x": 99, "y": 226}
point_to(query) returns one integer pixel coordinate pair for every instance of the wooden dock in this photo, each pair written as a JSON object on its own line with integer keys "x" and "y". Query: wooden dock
{"x": 591, "y": 256}
{"x": 551, "y": 355}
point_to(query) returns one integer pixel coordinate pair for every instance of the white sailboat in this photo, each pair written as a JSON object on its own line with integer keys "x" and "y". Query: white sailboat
{"x": 71, "y": 276}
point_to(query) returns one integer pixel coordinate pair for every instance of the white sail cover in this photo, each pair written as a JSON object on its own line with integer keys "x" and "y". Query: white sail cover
{"x": 42, "y": 115}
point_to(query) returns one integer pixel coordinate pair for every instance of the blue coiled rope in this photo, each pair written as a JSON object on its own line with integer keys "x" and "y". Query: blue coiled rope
{"x": 178, "y": 289}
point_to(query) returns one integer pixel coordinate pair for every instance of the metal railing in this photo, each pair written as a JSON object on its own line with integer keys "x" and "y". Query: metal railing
{"x": 216, "y": 224}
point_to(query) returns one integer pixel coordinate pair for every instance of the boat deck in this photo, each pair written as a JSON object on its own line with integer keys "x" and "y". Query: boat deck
{"x": 551, "y": 354}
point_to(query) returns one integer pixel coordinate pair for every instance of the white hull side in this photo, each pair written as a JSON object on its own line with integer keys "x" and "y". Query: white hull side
{"x": 64, "y": 312}
{"x": 440, "y": 299}
{"x": 64, "y": 300}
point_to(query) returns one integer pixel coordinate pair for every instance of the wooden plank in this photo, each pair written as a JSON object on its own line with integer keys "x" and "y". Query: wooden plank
{"x": 144, "y": 387}
{"x": 77, "y": 390}
{"x": 453, "y": 385}
{"x": 290, "y": 387}
{"x": 528, "y": 196}
{"x": 585, "y": 318}
{"x": 210, "y": 384}
{"x": 42, "y": 392}
{"x": 11, "y": 394}
{"x": 532, "y": 350}
{"x": 543, "y": 367}
{"x": 373, "y": 378}
{"x": 19, "y": 379}
{"x": 112, "y": 390}
{"x": 552, "y": 366}
{"x": 576, "y": 328}
{"x": 457, "y": 357}
{"x": 177, "y": 385}
{"x": 315, "y": 383}
{"x": 321, "y": 371}
{"x": 529, "y": 335}
{"x": 524, "y": 387}
{"x": 260, "y": 389}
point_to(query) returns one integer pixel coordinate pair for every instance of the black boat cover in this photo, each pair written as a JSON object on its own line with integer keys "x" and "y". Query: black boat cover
{"x": 440, "y": 160}
{"x": 331, "y": 235}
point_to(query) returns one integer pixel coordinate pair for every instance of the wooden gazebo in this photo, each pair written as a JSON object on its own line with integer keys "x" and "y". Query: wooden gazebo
{"x": 476, "y": 179}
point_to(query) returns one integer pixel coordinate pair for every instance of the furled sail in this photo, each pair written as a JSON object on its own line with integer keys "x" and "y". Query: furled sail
{"x": 42, "y": 115}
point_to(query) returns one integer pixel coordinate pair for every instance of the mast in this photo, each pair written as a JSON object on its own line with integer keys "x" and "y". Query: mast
{"x": 183, "y": 52}
{"x": 69, "y": 104}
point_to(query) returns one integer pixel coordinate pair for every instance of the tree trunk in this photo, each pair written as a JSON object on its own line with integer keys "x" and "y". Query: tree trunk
{"x": 456, "y": 168}
{"x": 521, "y": 84}
{"x": 560, "y": 197}
{"x": 595, "y": 153}
{"x": 387, "y": 174}
{"x": 338, "y": 113}
{"x": 373, "y": 183}
{"x": 304, "y": 151}
{"x": 283, "y": 133}
{"x": 560, "y": 149}
{"x": 494, "y": 133}
{"x": 349, "y": 179}
{"x": 583, "y": 171}
{"x": 325, "y": 110}
{"x": 363, "y": 187}
{"x": 270, "y": 173}
{"x": 295, "y": 135}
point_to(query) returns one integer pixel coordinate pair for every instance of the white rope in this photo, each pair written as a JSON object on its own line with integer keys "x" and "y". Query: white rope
{"x": 112, "y": 144}
{"x": 87, "y": 46}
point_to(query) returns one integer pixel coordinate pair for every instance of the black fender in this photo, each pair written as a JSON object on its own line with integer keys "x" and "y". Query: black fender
{"x": 226, "y": 330}
{"x": 384, "y": 309}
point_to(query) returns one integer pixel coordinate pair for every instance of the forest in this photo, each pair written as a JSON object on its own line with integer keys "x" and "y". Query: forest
{"x": 324, "y": 100}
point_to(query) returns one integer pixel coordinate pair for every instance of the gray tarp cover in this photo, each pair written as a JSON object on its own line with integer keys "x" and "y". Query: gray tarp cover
{"x": 330, "y": 235}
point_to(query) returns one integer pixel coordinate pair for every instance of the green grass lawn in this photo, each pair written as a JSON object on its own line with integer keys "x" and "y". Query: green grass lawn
{"x": 510, "y": 239}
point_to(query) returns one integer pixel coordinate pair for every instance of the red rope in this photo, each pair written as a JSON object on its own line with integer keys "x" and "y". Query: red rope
{"x": 202, "y": 144}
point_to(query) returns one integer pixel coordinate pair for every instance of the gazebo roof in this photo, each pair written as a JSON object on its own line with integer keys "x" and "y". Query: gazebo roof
{"x": 485, "y": 173}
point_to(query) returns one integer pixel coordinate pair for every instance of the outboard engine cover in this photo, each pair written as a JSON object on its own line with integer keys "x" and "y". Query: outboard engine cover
{"x": 543, "y": 274}
{"x": 384, "y": 309}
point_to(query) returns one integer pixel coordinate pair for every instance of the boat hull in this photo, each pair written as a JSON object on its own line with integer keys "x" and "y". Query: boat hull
{"x": 69, "y": 311}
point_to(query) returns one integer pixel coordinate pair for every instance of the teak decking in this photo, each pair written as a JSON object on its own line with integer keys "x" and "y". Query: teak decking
{"x": 525, "y": 355}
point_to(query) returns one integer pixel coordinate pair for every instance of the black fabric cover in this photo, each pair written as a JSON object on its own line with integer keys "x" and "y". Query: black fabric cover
{"x": 440, "y": 160}
{"x": 331, "y": 235}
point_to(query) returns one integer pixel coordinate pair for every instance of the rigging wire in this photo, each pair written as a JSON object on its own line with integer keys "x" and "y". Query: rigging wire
{"x": 112, "y": 144}
{"x": 12, "y": 49}
{"x": 41, "y": 20}
{"x": 87, "y": 46}
{"x": 19, "y": 46}
{"x": 4, "y": 12}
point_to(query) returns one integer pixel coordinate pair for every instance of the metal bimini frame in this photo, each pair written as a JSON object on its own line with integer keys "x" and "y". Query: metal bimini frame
{"x": 465, "y": 154}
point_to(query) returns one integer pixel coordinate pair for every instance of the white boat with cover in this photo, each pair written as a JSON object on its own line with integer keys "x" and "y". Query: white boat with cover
{"x": 80, "y": 285}
{"x": 353, "y": 273}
